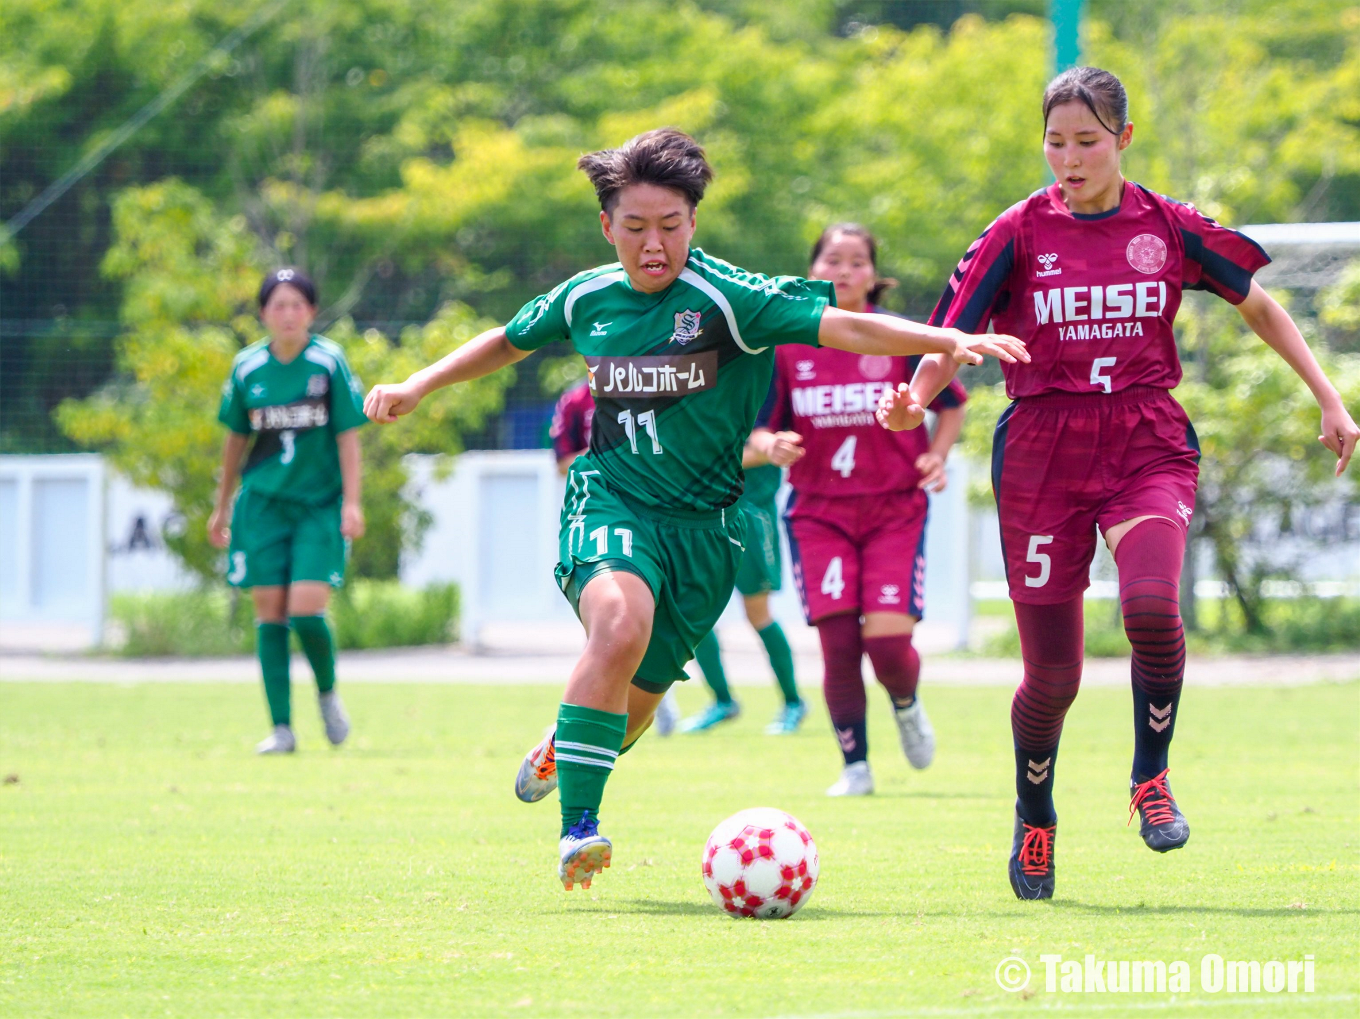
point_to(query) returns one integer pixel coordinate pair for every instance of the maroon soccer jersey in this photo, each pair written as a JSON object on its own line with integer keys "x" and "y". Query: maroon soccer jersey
{"x": 1094, "y": 296}
{"x": 572, "y": 417}
{"x": 828, "y": 396}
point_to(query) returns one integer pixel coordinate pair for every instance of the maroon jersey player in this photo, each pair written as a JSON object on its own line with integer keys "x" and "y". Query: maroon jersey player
{"x": 571, "y": 421}
{"x": 1090, "y": 272}
{"x": 857, "y": 514}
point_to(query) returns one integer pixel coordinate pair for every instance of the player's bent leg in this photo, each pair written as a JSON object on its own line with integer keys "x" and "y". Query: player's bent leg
{"x": 843, "y": 687}
{"x": 1149, "y": 557}
{"x": 616, "y": 608}
{"x": 1051, "y": 645}
{"x": 897, "y": 664}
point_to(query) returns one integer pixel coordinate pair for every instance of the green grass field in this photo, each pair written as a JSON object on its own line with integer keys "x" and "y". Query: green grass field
{"x": 151, "y": 865}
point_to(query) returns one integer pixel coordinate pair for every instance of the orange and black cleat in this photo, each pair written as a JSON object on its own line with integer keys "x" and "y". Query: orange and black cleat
{"x": 1031, "y": 865}
{"x": 538, "y": 771}
{"x": 1162, "y": 826}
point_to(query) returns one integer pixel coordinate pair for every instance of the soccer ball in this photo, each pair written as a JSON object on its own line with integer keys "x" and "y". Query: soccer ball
{"x": 760, "y": 862}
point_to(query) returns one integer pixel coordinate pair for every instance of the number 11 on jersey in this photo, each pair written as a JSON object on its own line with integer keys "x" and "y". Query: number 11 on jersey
{"x": 647, "y": 419}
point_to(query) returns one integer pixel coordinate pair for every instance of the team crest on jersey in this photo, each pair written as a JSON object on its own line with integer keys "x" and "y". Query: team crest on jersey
{"x": 1047, "y": 262}
{"x": 875, "y": 366}
{"x": 1147, "y": 253}
{"x": 806, "y": 371}
{"x": 687, "y": 325}
{"x": 318, "y": 385}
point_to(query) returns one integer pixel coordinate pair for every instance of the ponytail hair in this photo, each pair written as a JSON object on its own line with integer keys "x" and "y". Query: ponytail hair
{"x": 881, "y": 284}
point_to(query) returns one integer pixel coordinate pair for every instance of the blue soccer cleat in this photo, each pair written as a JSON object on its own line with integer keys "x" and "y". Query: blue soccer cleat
{"x": 788, "y": 720}
{"x": 1161, "y": 822}
{"x": 584, "y": 852}
{"x": 714, "y": 714}
{"x": 1031, "y": 866}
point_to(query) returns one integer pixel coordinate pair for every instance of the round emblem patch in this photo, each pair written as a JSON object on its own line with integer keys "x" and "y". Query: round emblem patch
{"x": 875, "y": 366}
{"x": 1147, "y": 253}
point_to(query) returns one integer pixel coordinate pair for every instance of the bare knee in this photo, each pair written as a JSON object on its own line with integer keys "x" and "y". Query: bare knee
{"x": 758, "y": 610}
{"x": 271, "y": 604}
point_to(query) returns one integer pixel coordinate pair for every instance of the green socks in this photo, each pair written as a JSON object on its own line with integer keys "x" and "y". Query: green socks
{"x": 588, "y": 743}
{"x": 781, "y": 660}
{"x": 709, "y": 657}
{"x": 315, "y": 637}
{"x": 271, "y": 644}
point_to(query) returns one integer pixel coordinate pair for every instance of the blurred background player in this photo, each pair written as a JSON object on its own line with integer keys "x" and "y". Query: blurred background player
{"x": 1090, "y": 272}
{"x": 761, "y": 572}
{"x": 680, "y": 349}
{"x": 857, "y": 513}
{"x": 286, "y": 532}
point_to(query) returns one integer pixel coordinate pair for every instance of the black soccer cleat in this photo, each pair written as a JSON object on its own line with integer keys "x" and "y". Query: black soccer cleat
{"x": 1031, "y": 865}
{"x": 1162, "y": 826}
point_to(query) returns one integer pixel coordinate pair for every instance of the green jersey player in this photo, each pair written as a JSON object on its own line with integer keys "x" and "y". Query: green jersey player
{"x": 292, "y": 400}
{"x": 679, "y": 351}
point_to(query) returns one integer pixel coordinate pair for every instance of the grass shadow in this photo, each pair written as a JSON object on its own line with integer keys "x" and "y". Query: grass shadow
{"x": 662, "y": 907}
{"x": 1251, "y": 911}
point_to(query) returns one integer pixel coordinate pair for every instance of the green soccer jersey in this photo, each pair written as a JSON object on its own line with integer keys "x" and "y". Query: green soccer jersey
{"x": 677, "y": 376}
{"x": 762, "y": 483}
{"x": 295, "y": 411}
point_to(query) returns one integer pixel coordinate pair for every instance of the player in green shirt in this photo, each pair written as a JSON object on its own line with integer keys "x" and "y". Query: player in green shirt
{"x": 679, "y": 353}
{"x": 286, "y": 532}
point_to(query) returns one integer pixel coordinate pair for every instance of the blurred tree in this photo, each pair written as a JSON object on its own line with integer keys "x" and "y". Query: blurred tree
{"x": 189, "y": 307}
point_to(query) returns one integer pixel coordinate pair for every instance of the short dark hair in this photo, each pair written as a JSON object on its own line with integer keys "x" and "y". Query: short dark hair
{"x": 881, "y": 285}
{"x": 666, "y": 157}
{"x": 1101, "y": 91}
{"x": 295, "y": 278}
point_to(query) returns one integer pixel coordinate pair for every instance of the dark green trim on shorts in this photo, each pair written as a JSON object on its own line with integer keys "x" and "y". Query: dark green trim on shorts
{"x": 583, "y": 573}
{"x": 648, "y": 686}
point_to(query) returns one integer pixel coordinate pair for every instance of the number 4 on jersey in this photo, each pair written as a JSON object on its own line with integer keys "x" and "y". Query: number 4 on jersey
{"x": 844, "y": 461}
{"x": 833, "y": 583}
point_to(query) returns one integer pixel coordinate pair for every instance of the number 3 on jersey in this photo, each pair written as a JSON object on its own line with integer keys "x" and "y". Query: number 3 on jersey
{"x": 844, "y": 462}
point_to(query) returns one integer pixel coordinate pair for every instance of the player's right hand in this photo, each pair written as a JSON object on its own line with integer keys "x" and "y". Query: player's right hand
{"x": 785, "y": 449}
{"x": 219, "y": 528}
{"x": 971, "y": 349}
{"x": 385, "y": 403}
{"x": 898, "y": 409}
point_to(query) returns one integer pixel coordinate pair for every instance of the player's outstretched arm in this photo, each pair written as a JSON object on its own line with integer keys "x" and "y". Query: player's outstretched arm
{"x": 1273, "y": 324}
{"x": 905, "y": 407}
{"x": 480, "y": 356}
{"x": 900, "y": 337}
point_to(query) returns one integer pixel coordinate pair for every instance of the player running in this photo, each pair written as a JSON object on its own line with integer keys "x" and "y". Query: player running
{"x": 1090, "y": 271}
{"x": 857, "y": 515}
{"x": 299, "y": 503}
{"x": 760, "y": 573}
{"x": 679, "y": 347}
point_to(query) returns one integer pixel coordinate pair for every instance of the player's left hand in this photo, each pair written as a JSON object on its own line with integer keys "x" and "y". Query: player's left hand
{"x": 352, "y": 520}
{"x": 972, "y": 349}
{"x": 785, "y": 449}
{"x": 898, "y": 409}
{"x": 931, "y": 467}
{"x": 1339, "y": 434}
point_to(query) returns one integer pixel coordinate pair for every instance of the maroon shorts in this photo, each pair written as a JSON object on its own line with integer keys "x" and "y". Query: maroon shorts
{"x": 863, "y": 553}
{"x": 1065, "y": 464}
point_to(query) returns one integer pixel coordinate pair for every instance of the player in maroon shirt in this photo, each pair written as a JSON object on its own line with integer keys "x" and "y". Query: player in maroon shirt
{"x": 571, "y": 421}
{"x": 1089, "y": 272}
{"x": 857, "y": 515}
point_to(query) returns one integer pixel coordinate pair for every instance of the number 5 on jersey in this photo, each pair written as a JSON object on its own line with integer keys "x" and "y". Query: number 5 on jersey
{"x": 1036, "y": 541}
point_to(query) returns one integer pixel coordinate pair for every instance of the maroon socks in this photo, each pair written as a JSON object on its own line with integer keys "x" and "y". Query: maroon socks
{"x": 1149, "y": 558}
{"x": 843, "y": 687}
{"x": 897, "y": 664}
{"x": 1051, "y": 644}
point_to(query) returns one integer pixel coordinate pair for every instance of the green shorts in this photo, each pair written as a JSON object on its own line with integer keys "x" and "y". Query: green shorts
{"x": 689, "y": 560}
{"x": 761, "y": 569}
{"x": 276, "y": 542}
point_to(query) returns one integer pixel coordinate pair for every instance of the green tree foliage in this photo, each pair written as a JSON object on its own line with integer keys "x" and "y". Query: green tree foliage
{"x": 191, "y": 282}
{"x": 413, "y": 153}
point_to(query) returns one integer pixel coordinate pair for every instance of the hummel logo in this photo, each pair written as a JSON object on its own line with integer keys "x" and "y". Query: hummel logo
{"x": 1038, "y": 771}
{"x": 1161, "y": 717}
{"x": 846, "y": 738}
{"x": 1047, "y": 262}
{"x": 1184, "y": 512}
{"x": 601, "y": 327}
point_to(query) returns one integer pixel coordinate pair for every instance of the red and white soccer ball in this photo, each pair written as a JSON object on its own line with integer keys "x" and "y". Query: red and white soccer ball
{"x": 760, "y": 863}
